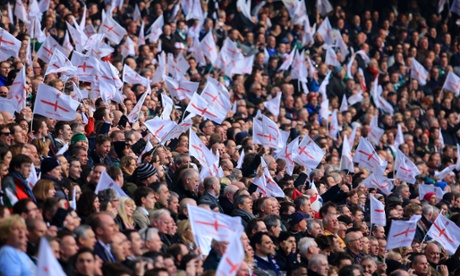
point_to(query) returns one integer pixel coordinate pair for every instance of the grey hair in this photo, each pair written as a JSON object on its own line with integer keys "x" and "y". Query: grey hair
{"x": 157, "y": 214}
{"x": 311, "y": 223}
{"x": 315, "y": 260}
{"x": 428, "y": 209}
{"x": 172, "y": 195}
{"x": 147, "y": 233}
{"x": 271, "y": 220}
{"x": 107, "y": 195}
{"x": 81, "y": 231}
{"x": 239, "y": 200}
{"x": 304, "y": 244}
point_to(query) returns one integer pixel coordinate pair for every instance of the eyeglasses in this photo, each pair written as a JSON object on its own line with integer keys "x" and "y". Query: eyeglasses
{"x": 6, "y": 133}
{"x": 360, "y": 239}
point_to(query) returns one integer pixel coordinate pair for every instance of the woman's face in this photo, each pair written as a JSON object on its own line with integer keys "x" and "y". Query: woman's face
{"x": 18, "y": 237}
{"x": 129, "y": 209}
{"x": 7, "y": 158}
{"x": 97, "y": 205}
{"x": 51, "y": 192}
{"x": 3, "y": 171}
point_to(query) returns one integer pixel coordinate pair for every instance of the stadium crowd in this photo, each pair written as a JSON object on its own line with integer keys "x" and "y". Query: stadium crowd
{"x": 320, "y": 224}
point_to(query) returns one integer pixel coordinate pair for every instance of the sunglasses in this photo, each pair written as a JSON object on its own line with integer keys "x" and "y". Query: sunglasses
{"x": 6, "y": 133}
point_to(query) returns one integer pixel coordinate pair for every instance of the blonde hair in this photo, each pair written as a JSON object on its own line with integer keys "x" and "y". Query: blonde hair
{"x": 128, "y": 221}
{"x": 7, "y": 224}
{"x": 42, "y": 188}
{"x": 225, "y": 180}
{"x": 182, "y": 226}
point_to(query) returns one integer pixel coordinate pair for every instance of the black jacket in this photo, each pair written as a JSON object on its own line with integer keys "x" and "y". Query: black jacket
{"x": 245, "y": 216}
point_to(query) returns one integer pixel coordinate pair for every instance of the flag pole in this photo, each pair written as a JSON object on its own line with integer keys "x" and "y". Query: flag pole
{"x": 370, "y": 232}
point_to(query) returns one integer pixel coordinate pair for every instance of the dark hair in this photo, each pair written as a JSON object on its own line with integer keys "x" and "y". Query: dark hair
{"x": 59, "y": 126}
{"x": 140, "y": 193}
{"x": 257, "y": 238}
{"x": 18, "y": 160}
{"x": 85, "y": 204}
{"x": 80, "y": 251}
{"x": 101, "y": 139}
{"x": 187, "y": 258}
{"x": 21, "y": 206}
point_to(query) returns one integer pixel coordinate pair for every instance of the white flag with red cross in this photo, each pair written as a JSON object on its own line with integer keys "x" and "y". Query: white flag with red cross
{"x": 299, "y": 70}
{"x": 344, "y": 105}
{"x": 331, "y": 57}
{"x": 148, "y": 147}
{"x": 334, "y": 125}
{"x": 375, "y": 133}
{"x": 215, "y": 225}
{"x": 66, "y": 44}
{"x": 273, "y": 105}
{"x": 9, "y": 45}
{"x": 399, "y": 137}
{"x": 33, "y": 178}
{"x": 199, "y": 150}
{"x": 233, "y": 256}
{"x": 54, "y": 104}
{"x": 287, "y": 154}
{"x": 402, "y": 232}
{"x": 132, "y": 77}
{"x": 93, "y": 41}
{"x": 18, "y": 90}
{"x": 134, "y": 115}
{"x": 455, "y": 7}
{"x": 199, "y": 106}
{"x": 168, "y": 105}
{"x": 106, "y": 182}
{"x": 446, "y": 233}
{"x": 308, "y": 154}
{"x": 141, "y": 39}
{"x": 347, "y": 157}
{"x": 181, "y": 89}
{"x": 156, "y": 29}
{"x": 128, "y": 48}
{"x": 418, "y": 72}
{"x": 20, "y": 12}
{"x": 87, "y": 66}
{"x": 266, "y": 184}
{"x": 159, "y": 128}
{"x": 378, "y": 216}
{"x": 47, "y": 49}
{"x": 209, "y": 48}
{"x": 216, "y": 99}
{"x": 385, "y": 185}
{"x": 112, "y": 30}
{"x": 406, "y": 170}
{"x": 325, "y": 30}
{"x": 423, "y": 189}
{"x": 185, "y": 125}
{"x": 137, "y": 13}
{"x": 452, "y": 83}
{"x": 78, "y": 37}
{"x": 59, "y": 63}
{"x": 288, "y": 60}
{"x": 47, "y": 264}
{"x": 366, "y": 156}
{"x": 323, "y": 6}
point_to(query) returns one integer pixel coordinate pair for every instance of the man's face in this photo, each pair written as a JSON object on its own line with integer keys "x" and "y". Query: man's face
{"x": 66, "y": 133}
{"x": 90, "y": 239}
{"x": 421, "y": 266}
{"x": 97, "y": 174}
{"x": 317, "y": 230}
{"x": 155, "y": 243}
{"x": 108, "y": 229}
{"x": 39, "y": 231}
{"x": 83, "y": 157}
{"x": 24, "y": 170}
{"x": 19, "y": 136}
{"x": 103, "y": 149}
{"x": 56, "y": 173}
{"x": 5, "y": 69}
{"x": 68, "y": 247}
{"x": 149, "y": 202}
{"x": 85, "y": 264}
{"x": 163, "y": 195}
{"x": 75, "y": 170}
{"x": 432, "y": 254}
{"x": 265, "y": 247}
{"x": 5, "y": 136}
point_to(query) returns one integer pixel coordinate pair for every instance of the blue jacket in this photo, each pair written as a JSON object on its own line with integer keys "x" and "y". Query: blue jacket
{"x": 270, "y": 265}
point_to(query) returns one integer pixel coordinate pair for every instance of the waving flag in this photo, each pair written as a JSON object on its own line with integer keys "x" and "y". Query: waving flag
{"x": 141, "y": 40}
{"x": 198, "y": 150}
{"x": 159, "y": 128}
{"x": 288, "y": 60}
{"x": 86, "y": 66}
{"x": 287, "y": 154}
{"x": 18, "y": 90}
{"x": 331, "y": 57}
{"x": 216, "y": 99}
{"x": 52, "y": 103}
{"x": 273, "y": 105}
{"x": 20, "y": 12}
{"x": 325, "y": 30}
{"x": 375, "y": 133}
{"x": 47, "y": 264}
{"x": 132, "y": 77}
{"x": 455, "y": 8}
{"x": 178, "y": 130}
{"x": 405, "y": 168}
{"x": 267, "y": 133}
{"x": 209, "y": 48}
{"x": 9, "y": 45}
{"x": 137, "y": 13}
{"x": 402, "y": 232}
{"x": 168, "y": 104}
{"x": 378, "y": 182}
{"x": 347, "y": 156}
{"x": 299, "y": 70}
{"x": 128, "y": 48}
{"x": 78, "y": 37}
{"x": 33, "y": 177}
{"x": 8, "y": 105}
{"x": 343, "y": 47}
{"x": 334, "y": 125}
{"x": 418, "y": 72}
{"x": 266, "y": 184}
{"x": 233, "y": 257}
{"x": 344, "y": 105}
{"x": 323, "y": 7}
{"x": 112, "y": 30}
{"x": 156, "y": 29}
{"x": 59, "y": 63}
{"x": 148, "y": 147}
{"x": 245, "y": 7}
{"x": 452, "y": 83}
{"x": 423, "y": 189}
{"x": 377, "y": 211}
{"x": 366, "y": 156}
{"x": 47, "y": 49}
{"x": 106, "y": 182}
{"x": 446, "y": 233}
{"x": 135, "y": 112}
{"x": 309, "y": 154}
{"x": 181, "y": 89}
{"x": 199, "y": 106}
{"x": 440, "y": 175}
{"x": 399, "y": 138}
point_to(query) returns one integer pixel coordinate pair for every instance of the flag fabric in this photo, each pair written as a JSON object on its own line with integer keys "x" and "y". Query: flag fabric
{"x": 375, "y": 133}
{"x": 344, "y": 105}
{"x": 287, "y": 154}
{"x": 418, "y": 72}
{"x": 267, "y": 133}
{"x": 273, "y": 105}
{"x": 455, "y": 8}
{"x": 106, "y": 182}
{"x": 148, "y": 147}
{"x": 343, "y": 47}
{"x": 8, "y": 105}
{"x": 199, "y": 106}
{"x": 9, "y": 45}
{"x": 299, "y": 70}
{"x": 134, "y": 115}
{"x": 86, "y": 65}
{"x": 366, "y": 156}
{"x": 20, "y": 12}
{"x": 245, "y": 7}
{"x": 54, "y": 104}
{"x": 217, "y": 226}
{"x": 59, "y": 63}
{"x": 334, "y": 126}
{"x": 112, "y": 30}
{"x": 325, "y": 30}
{"x": 209, "y": 48}
{"x": 406, "y": 170}
{"x": 141, "y": 40}
{"x": 66, "y": 44}
{"x": 137, "y": 13}
{"x": 446, "y": 233}
{"x": 10, "y": 12}
{"x": 441, "y": 4}
{"x": 452, "y": 83}
{"x": 33, "y": 178}
{"x": 18, "y": 90}
{"x": 331, "y": 57}
{"x": 185, "y": 125}
{"x": 352, "y": 137}
{"x": 181, "y": 89}
{"x": 159, "y": 128}
{"x": 198, "y": 150}
{"x": 423, "y": 189}
{"x": 47, "y": 264}
{"x": 128, "y": 48}
{"x": 441, "y": 139}
{"x": 440, "y": 175}
{"x": 62, "y": 150}
{"x": 132, "y": 77}
{"x": 399, "y": 138}
{"x": 233, "y": 256}
{"x": 215, "y": 98}
{"x": 402, "y": 232}
{"x": 385, "y": 185}
{"x": 377, "y": 211}
{"x": 309, "y": 154}
{"x": 323, "y": 7}
{"x": 156, "y": 29}
{"x": 47, "y": 49}
{"x": 73, "y": 202}
{"x": 78, "y": 37}
{"x": 168, "y": 104}
{"x": 288, "y": 60}
{"x": 240, "y": 160}
{"x": 347, "y": 157}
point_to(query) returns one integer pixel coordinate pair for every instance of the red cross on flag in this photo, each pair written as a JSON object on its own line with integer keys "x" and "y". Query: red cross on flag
{"x": 378, "y": 216}
{"x": 230, "y": 50}
{"x": 59, "y": 63}
{"x": 215, "y": 225}
{"x": 54, "y": 104}
{"x": 267, "y": 133}
{"x": 287, "y": 154}
{"x": 92, "y": 41}
{"x": 66, "y": 44}
{"x": 128, "y": 48}
{"x": 106, "y": 182}
{"x": 185, "y": 125}
{"x": 141, "y": 39}
{"x": 455, "y": 8}
{"x": 47, "y": 49}
{"x": 181, "y": 89}
{"x": 273, "y": 105}
{"x": 366, "y": 156}
{"x": 323, "y": 6}
{"x": 331, "y": 57}
{"x": 423, "y": 189}
{"x": 446, "y": 233}
{"x": 309, "y": 32}
{"x": 86, "y": 66}
{"x": 112, "y": 30}
{"x": 208, "y": 47}
{"x": 346, "y": 163}
{"x": 9, "y": 45}
{"x": 309, "y": 154}
{"x": 418, "y": 72}
{"x": 199, "y": 106}
{"x": 159, "y": 128}
{"x": 233, "y": 256}
{"x": 266, "y": 184}
{"x": 378, "y": 182}
{"x": 299, "y": 70}
{"x": 109, "y": 74}
{"x": 20, "y": 12}
{"x": 78, "y": 37}
{"x": 47, "y": 264}
{"x": 212, "y": 94}
{"x": 452, "y": 83}
{"x": 375, "y": 133}
{"x": 402, "y": 232}
{"x": 156, "y": 29}
{"x": 405, "y": 168}
{"x": 18, "y": 91}
{"x": 199, "y": 150}
{"x": 132, "y": 77}
{"x": 325, "y": 30}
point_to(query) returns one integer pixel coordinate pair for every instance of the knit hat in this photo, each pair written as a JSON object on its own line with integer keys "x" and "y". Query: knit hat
{"x": 240, "y": 136}
{"x": 77, "y": 137}
{"x": 119, "y": 146}
{"x": 295, "y": 218}
{"x": 48, "y": 164}
{"x": 144, "y": 171}
{"x": 59, "y": 218}
{"x": 428, "y": 196}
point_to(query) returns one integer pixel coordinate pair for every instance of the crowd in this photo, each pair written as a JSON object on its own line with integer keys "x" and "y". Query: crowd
{"x": 110, "y": 196}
